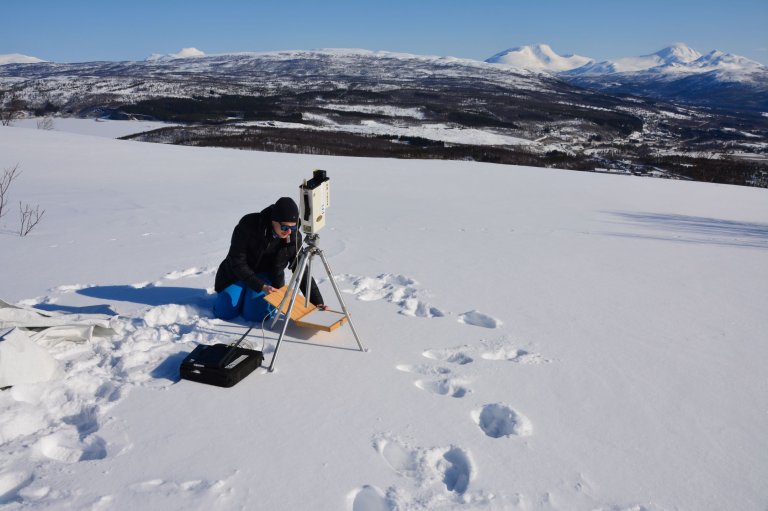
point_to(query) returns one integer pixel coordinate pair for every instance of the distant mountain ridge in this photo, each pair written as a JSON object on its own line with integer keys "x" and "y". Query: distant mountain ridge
{"x": 677, "y": 72}
{"x": 18, "y": 58}
{"x": 363, "y": 103}
{"x": 668, "y": 58}
{"x": 185, "y": 53}
{"x": 675, "y": 60}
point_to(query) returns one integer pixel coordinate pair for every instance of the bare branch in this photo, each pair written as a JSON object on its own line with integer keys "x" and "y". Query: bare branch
{"x": 5, "y": 183}
{"x": 29, "y": 218}
{"x": 46, "y": 123}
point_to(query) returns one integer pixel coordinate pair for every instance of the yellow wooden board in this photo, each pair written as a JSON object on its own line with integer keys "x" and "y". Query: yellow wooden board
{"x": 299, "y": 309}
{"x": 326, "y": 320}
{"x": 307, "y": 317}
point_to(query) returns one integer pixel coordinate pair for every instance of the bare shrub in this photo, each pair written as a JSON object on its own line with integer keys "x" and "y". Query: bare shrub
{"x": 29, "y": 218}
{"x": 5, "y": 184}
{"x": 10, "y": 109}
{"x": 46, "y": 123}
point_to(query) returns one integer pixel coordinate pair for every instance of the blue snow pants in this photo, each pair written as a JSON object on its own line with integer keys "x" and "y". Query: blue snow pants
{"x": 238, "y": 299}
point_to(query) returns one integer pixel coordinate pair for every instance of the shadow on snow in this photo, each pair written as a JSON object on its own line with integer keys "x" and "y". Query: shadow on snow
{"x": 151, "y": 295}
{"x": 692, "y": 229}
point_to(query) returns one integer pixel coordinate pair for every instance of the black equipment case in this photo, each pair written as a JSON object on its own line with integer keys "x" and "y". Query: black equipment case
{"x": 220, "y": 364}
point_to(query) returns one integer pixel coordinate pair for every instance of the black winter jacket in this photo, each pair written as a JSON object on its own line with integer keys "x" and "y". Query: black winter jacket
{"x": 254, "y": 249}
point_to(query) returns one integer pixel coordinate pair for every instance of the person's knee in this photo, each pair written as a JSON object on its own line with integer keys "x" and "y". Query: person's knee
{"x": 255, "y": 308}
{"x": 223, "y": 308}
{"x": 228, "y": 302}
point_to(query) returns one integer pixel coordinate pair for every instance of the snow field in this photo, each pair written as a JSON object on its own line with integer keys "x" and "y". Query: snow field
{"x": 538, "y": 339}
{"x": 442, "y": 132}
{"x": 94, "y": 127}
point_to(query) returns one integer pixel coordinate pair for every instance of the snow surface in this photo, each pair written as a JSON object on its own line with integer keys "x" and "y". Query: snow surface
{"x": 386, "y": 110}
{"x": 538, "y": 339}
{"x": 443, "y": 132}
{"x": 95, "y": 127}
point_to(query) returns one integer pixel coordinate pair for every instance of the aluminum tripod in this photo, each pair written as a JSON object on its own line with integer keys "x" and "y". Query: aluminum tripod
{"x": 305, "y": 263}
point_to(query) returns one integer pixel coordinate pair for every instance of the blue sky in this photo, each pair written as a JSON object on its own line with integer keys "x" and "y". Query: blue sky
{"x": 86, "y": 30}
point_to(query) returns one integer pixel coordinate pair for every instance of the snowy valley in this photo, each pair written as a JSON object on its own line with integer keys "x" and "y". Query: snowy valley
{"x": 382, "y": 104}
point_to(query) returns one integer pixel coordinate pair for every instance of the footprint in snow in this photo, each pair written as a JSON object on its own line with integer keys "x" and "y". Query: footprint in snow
{"x": 66, "y": 447}
{"x": 453, "y": 464}
{"x": 369, "y": 498}
{"x": 499, "y": 420}
{"x": 398, "y": 289}
{"x": 457, "y": 470}
{"x": 515, "y": 355}
{"x": 10, "y": 485}
{"x": 401, "y": 459}
{"x": 452, "y": 387}
{"x": 418, "y": 309}
{"x": 476, "y": 318}
{"x": 508, "y": 350}
{"x": 423, "y": 370}
{"x": 453, "y": 355}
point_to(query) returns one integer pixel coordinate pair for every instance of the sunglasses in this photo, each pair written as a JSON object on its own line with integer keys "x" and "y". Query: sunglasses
{"x": 288, "y": 227}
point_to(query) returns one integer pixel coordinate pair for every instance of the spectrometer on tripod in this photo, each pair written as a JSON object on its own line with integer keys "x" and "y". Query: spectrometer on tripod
{"x": 315, "y": 198}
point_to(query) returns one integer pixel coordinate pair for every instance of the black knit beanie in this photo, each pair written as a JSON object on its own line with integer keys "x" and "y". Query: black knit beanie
{"x": 285, "y": 210}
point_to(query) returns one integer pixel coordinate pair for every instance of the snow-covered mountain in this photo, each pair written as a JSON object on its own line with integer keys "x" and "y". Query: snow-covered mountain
{"x": 18, "y": 58}
{"x": 678, "y": 58}
{"x": 680, "y": 73}
{"x": 675, "y": 60}
{"x": 243, "y": 71}
{"x": 185, "y": 53}
{"x": 727, "y": 63}
{"x": 677, "y": 72}
{"x": 539, "y": 57}
{"x": 360, "y": 102}
{"x": 675, "y": 56}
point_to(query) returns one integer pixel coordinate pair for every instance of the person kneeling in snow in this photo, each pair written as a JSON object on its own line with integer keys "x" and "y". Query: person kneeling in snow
{"x": 263, "y": 245}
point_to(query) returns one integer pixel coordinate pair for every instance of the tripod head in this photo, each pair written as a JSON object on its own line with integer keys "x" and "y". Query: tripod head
{"x": 312, "y": 240}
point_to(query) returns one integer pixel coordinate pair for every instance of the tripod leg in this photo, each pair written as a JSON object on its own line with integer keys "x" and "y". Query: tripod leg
{"x": 341, "y": 300}
{"x": 295, "y": 292}
{"x": 308, "y": 276}
{"x": 294, "y": 280}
